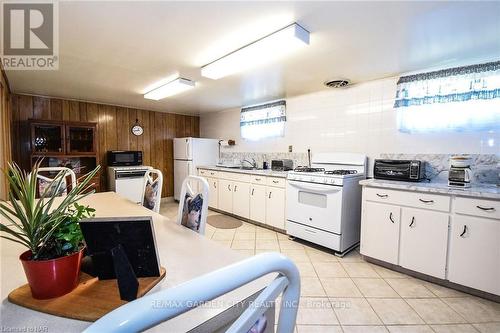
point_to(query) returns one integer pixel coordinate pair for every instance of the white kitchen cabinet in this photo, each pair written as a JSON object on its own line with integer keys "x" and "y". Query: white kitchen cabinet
{"x": 226, "y": 195}
{"x": 275, "y": 207}
{"x": 241, "y": 199}
{"x": 258, "y": 203}
{"x": 380, "y": 231}
{"x": 424, "y": 240}
{"x": 213, "y": 194}
{"x": 474, "y": 258}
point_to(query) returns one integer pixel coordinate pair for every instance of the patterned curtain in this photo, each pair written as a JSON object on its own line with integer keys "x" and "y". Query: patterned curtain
{"x": 261, "y": 121}
{"x": 463, "y": 98}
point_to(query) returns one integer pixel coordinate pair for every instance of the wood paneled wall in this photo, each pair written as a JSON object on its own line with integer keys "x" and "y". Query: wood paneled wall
{"x": 5, "y": 120}
{"x": 114, "y": 124}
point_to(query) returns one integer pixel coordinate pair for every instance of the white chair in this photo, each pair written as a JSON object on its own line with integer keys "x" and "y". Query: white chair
{"x": 151, "y": 194}
{"x": 67, "y": 173}
{"x": 187, "y": 189}
{"x": 140, "y": 315}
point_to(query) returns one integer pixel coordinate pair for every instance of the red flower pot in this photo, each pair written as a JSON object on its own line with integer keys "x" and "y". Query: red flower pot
{"x": 52, "y": 278}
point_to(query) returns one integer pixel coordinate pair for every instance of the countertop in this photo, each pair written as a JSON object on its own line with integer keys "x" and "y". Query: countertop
{"x": 185, "y": 255}
{"x": 260, "y": 172}
{"x": 482, "y": 191}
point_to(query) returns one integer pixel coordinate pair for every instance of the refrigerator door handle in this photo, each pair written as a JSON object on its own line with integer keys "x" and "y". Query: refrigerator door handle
{"x": 187, "y": 149}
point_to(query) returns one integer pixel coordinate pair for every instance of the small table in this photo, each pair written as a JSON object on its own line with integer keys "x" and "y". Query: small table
{"x": 184, "y": 253}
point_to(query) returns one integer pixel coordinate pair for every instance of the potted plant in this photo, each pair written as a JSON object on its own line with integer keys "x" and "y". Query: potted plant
{"x": 48, "y": 227}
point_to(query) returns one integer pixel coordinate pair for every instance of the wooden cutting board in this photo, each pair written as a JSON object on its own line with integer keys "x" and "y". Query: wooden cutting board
{"x": 89, "y": 301}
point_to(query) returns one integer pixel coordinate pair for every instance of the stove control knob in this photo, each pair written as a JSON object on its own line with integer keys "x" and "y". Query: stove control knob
{"x": 325, "y": 180}
{"x": 332, "y": 181}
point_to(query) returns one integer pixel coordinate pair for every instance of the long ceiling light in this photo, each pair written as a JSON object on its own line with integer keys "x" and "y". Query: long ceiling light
{"x": 172, "y": 88}
{"x": 266, "y": 49}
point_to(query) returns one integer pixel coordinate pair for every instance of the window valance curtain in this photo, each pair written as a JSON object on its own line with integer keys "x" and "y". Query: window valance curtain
{"x": 450, "y": 85}
{"x": 263, "y": 121}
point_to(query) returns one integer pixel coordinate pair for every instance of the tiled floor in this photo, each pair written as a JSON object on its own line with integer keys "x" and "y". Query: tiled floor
{"x": 351, "y": 295}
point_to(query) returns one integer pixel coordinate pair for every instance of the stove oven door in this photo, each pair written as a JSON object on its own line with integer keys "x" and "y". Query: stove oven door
{"x": 315, "y": 205}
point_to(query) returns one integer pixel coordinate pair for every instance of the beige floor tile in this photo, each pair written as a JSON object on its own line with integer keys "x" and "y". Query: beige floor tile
{"x": 259, "y": 251}
{"x": 443, "y": 292}
{"x": 375, "y": 287}
{"x": 475, "y": 309}
{"x": 221, "y": 234}
{"x": 318, "y": 329}
{"x": 244, "y": 236}
{"x": 340, "y": 287}
{"x": 261, "y": 230}
{"x": 226, "y": 243}
{"x": 352, "y": 256}
{"x": 247, "y": 253}
{"x": 435, "y": 311}
{"x": 290, "y": 245}
{"x": 410, "y": 329}
{"x": 354, "y": 311}
{"x": 306, "y": 269}
{"x": 488, "y": 327}
{"x": 364, "y": 329}
{"x": 388, "y": 273}
{"x": 329, "y": 269}
{"x": 320, "y": 256}
{"x": 243, "y": 244}
{"x": 267, "y": 244}
{"x": 409, "y": 288}
{"x": 246, "y": 227}
{"x": 455, "y": 328}
{"x": 316, "y": 311}
{"x": 282, "y": 236}
{"x": 394, "y": 311}
{"x": 267, "y": 235}
{"x": 359, "y": 269}
{"x": 311, "y": 287}
{"x": 296, "y": 255}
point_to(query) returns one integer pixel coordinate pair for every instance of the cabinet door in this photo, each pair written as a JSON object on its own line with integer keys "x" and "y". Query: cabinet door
{"x": 475, "y": 253}
{"x": 380, "y": 231}
{"x": 80, "y": 140}
{"x": 258, "y": 203}
{"x": 47, "y": 138}
{"x": 275, "y": 207}
{"x": 424, "y": 241}
{"x": 226, "y": 195}
{"x": 213, "y": 193}
{"x": 241, "y": 199}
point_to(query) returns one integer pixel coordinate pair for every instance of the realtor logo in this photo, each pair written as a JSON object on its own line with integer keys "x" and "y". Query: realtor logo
{"x": 29, "y": 35}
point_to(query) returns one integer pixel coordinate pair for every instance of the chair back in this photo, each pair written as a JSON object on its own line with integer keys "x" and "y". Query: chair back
{"x": 193, "y": 207}
{"x": 151, "y": 195}
{"x": 45, "y": 183}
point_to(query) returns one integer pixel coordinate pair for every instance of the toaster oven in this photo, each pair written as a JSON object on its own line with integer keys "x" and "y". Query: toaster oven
{"x": 404, "y": 170}
{"x": 282, "y": 165}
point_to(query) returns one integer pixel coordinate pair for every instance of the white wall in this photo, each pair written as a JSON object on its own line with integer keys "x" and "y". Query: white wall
{"x": 357, "y": 119}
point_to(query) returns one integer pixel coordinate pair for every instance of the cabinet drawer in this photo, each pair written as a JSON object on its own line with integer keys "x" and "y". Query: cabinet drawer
{"x": 408, "y": 198}
{"x": 240, "y": 177}
{"x": 276, "y": 181}
{"x": 477, "y": 207}
{"x": 204, "y": 172}
{"x": 313, "y": 235}
{"x": 258, "y": 179}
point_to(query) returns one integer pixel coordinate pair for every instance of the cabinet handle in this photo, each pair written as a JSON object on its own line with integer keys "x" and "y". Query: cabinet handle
{"x": 426, "y": 201}
{"x": 382, "y": 195}
{"x": 275, "y": 181}
{"x": 257, "y": 179}
{"x": 391, "y": 218}
{"x": 235, "y": 187}
{"x": 252, "y": 190}
{"x": 310, "y": 231}
{"x": 215, "y": 185}
{"x": 463, "y": 232}
{"x": 270, "y": 195}
{"x": 229, "y": 188}
{"x": 412, "y": 221}
{"x": 488, "y": 209}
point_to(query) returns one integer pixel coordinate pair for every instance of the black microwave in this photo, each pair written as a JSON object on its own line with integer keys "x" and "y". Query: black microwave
{"x": 124, "y": 157}
{"x": 405, "y": 170}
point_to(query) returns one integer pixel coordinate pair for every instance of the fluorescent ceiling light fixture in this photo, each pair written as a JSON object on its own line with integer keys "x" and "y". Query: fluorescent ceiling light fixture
{"x": 266, "y": 49}
{"x": 174, "y": 87}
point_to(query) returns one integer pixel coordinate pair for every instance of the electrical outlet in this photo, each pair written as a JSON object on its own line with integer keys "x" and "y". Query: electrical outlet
{"x": 290, "y": 148}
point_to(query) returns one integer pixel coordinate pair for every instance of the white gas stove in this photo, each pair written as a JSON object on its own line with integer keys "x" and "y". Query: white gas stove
{"x": 324, "y": 200}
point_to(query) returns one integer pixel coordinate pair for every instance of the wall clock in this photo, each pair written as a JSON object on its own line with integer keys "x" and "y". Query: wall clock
{"x": 137, "y": 129}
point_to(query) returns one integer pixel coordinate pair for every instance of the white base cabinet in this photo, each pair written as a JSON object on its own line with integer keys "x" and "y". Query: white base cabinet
{"x": 474, "y": 259}
{"x": 424, "y": 236}
{"x": 275, "y": 207}
{"x": 380, "y": 231}
{"x": 258, "y": 203}
{"x": 213, "y": 199}
{"x": 226, "y": 195}
{"x": 241, "y": 199}
{"x": 441, "y": 235}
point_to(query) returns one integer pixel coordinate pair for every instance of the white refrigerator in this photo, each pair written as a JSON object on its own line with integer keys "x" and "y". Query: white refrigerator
{"x": 189, "y": 153}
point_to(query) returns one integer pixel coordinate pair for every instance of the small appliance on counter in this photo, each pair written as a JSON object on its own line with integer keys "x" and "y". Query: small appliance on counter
{"x": 460, "y": 174}
{"x": 124, "y": 158}
{"x": 404, "y": 170}
{"x": 282, "y": 165}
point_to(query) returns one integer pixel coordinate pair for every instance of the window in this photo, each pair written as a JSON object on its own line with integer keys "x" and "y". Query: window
{"x": 456, "y": 99}
{"x": 263, "y": 121}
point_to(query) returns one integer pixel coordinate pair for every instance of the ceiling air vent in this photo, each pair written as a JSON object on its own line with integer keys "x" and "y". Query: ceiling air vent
{"x": 337, "y": 83}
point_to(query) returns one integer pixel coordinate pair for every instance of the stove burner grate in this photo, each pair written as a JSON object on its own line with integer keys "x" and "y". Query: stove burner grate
{"x": 308, "y": 169}
{"x": 341, "y": 172}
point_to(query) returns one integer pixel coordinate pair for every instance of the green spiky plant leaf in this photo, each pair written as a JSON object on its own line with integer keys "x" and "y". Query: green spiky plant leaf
{"x": 37, "y": 223}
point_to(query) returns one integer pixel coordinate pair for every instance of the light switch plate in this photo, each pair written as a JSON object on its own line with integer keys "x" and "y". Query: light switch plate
{"x": 290, "y": 148}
